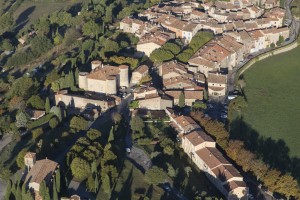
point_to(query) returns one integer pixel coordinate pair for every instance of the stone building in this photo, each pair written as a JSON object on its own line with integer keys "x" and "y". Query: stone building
{"x": 155, "y": 102}
{"x": 38, "y": 171}
{"x": 139, "y": 73}
{"x": 216, "y": 84}
{"x": 82, "y": 101}
{"x": 104, "y": 78}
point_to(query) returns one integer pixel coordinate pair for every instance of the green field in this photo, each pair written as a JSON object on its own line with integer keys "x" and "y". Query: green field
{"x": 273, "y": 94}
{"x": 29, "y": 11}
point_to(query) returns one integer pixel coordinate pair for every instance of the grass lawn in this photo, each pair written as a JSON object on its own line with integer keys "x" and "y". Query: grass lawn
{"x": 29, "y": 11}
{"x": 132, "y": 184}
{"x": 273, "y": 95}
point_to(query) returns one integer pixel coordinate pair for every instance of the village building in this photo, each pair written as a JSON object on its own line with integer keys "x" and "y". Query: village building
{"x": 190, "y": 96}
{"x": 141, "y": 92}
{"x": 183, "y": 124}
{"x": 258, "y": 41}
{"x": 272, "y": 35}
{"x": 35, "y": 114}
{"x": 139, "y": 73}
{"x": 104, "y": 79}
{"x": 153, "y": 40}
{"x": 84, "y": 101}
{"x": 217, "y": 84}
{"x": 155, "y": 102}
{"x": 179, "y": 82}
{"x": 38, "y": 171}
{"x": 172, "y": 69}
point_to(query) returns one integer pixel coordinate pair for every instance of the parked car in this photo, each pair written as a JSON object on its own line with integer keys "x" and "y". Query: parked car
{"x": 224, "y": 116}
{"x": 166, "y": 187}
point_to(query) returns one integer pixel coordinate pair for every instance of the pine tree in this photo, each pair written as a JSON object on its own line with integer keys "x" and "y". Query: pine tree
{"x": 57, "y": 180}
{"x": 111, "y": 135}
{"x": 8, "y": 191}
{"x": 55, "y": 195}
{"x": 47, "y": 105}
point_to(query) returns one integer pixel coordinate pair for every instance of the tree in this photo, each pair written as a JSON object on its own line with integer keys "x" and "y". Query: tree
{"x": 106, "y": 184}
{"x": 23, "y": 87}
{"x": 156, "y": 175}
{"x": 111, "y": 135}
{"x": 169, "y": 150}
{"x": 161, "y": 55}
{"x": 8, "y": 191}
{"x": 181, "y": 102}
{"x": 80, "y": 168}
{"x": 57, "y": 112}
{"x": 21, "y": 120}
{"x": 57, "y": 180}
{"x": 116, "y": 117}
{"x": 78, "y": 123}
{"x": 53, "y": 122}
{"x": 36, "y": 133}
{"x": 93, "y": 134}
{"x": 96, "y": 183}
{"x": 90, "y": 183}
{"x": 172, "y": 47}
{"x": 188, "y": 170}
{"x": 16, "y": 103}
{"x": 20, "y": 158}
{"x": 36, "y": 101}
{"x": 43, "y": 189}
{"x": 18, "y": 191}
{"x": 55, "y": 195}
{"x": 91, "y": 29}
{"x": 6, "y": 45}
{"x": 47, "y": 105}
{"x": 40, "y": 45}
{"x": 280, "y": 40}
{"x": 137, "y": 124}
{"x": 171, "y": 171}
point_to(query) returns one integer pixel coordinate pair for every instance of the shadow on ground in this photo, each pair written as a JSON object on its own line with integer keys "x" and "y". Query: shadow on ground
{"x": 273, "y": 152}
{"x": 24, "y": 18}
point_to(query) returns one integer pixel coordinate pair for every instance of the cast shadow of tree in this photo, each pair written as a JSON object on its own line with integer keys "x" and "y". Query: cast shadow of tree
{"x": 273, "y": 152}
{"x": 24, "y": 18}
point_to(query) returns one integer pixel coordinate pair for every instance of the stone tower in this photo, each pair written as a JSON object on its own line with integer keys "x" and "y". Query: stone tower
{"x": 29, "y": 159}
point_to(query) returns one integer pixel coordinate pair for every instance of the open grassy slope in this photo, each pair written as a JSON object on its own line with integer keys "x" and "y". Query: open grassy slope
{"x": 30, "y": 11}
{"x": 273, "y": 94}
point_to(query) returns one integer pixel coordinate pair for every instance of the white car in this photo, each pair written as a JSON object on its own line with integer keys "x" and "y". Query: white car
{"x": 224, "y": 116}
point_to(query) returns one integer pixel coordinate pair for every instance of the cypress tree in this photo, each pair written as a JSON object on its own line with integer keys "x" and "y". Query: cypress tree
{"x": 8, "y": 191}
{"x": 57, "y": 180}
{"x": 47, "y": 105}
{"x": 18, "y": 192}
{"x": 181, "y": 102}
{"x": 55, "y": 195}
{"x": 106, "y": 184}
{"x": 111, "y": 135}
{"x": 96, "y": 183}
{"x": 76, "y": 76}
{"x": 24, "y": 191}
